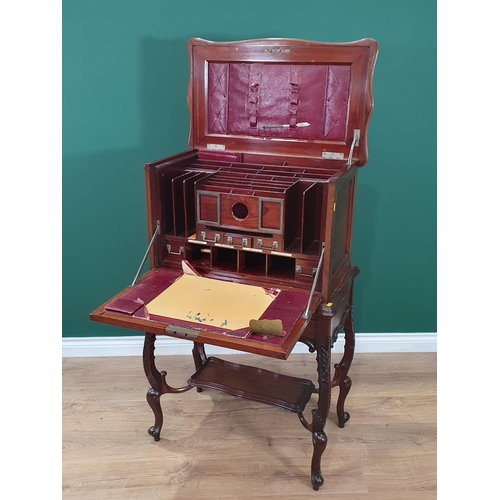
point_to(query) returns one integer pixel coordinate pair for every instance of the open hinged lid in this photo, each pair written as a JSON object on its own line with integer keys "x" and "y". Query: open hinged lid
{"x": 282, "y": 97}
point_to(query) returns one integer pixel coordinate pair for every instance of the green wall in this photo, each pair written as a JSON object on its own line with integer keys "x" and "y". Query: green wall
{"x": 125, "y": 76}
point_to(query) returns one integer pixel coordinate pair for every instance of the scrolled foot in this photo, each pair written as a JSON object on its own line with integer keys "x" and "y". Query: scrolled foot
{"x": 342, "y": 415}
{"x": 154, "y": 432}
{"x": 153, "y": 399}
{"x": 319, "y": 442}
{"x": 317, "y": 481}
{"x": 345, "y": 418}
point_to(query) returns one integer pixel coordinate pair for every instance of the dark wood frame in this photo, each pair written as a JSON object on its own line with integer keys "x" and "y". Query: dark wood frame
{"x": 284, "y": 251}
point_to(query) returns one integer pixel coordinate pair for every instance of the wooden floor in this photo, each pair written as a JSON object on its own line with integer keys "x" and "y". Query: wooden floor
{"x": 220, "y": 447}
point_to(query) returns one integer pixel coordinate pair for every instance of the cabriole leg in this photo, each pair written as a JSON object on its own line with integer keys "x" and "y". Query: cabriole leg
{"x": 320, "y": 414}
{"x": 154, "y": 378}
{"x": 342, "y": 369}
{"x": 158, "y": 383}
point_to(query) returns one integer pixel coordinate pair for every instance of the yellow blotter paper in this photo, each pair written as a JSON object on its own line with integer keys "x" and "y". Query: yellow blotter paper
{"x": 211, "y": 302}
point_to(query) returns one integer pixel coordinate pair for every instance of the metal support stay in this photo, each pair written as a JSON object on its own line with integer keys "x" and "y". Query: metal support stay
{"x": 155, "y": 234}
{"x": 315, "y": 282}
{"x": 355, "y": 142}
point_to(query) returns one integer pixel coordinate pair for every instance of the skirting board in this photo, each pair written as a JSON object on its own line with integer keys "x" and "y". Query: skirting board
{"x": 132, "y": 345}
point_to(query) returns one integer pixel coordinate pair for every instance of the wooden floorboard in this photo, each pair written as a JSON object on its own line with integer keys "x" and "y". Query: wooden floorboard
{"x": 216, "y": 446}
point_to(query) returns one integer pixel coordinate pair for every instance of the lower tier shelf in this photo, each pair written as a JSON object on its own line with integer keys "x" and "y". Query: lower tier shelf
{"x": 253, "y": 383}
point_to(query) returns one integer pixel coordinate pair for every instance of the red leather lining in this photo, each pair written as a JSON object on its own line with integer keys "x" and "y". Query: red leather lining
{"x": 270, "y": 100}
{"x": 217, "y": 97}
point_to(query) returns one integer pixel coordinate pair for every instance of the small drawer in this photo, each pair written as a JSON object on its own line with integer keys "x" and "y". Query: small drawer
{"x": 305, "y": 269}
{"x": 268, "y": 244}
{"x": 238, "y": 241}
{"x": 209, "y": 236}
{"x": 175, "y": 247}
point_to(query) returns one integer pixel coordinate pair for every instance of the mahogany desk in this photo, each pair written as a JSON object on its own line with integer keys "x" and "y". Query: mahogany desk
{"x": 264, "y": 197}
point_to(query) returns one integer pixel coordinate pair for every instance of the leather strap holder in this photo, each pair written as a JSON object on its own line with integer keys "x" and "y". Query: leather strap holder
{"x": 253, "y": 97}
{"x": 294, "y": 98}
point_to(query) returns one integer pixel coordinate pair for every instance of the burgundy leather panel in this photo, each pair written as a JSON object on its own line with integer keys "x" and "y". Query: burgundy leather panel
{"x": 143, "y": 292}
{"x": 258, "y": 99}
{"x": 339, "y": 79}
{"x": 289, "y": 309}
{"x": 217, "y": 97}
{"x": 126, "y": 306}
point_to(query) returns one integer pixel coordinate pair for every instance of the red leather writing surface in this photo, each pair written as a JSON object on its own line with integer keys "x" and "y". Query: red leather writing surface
{"x": 287, "y": 306}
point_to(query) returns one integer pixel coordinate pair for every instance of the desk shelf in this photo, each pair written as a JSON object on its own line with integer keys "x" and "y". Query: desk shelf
{"x": 253, "y": 383}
